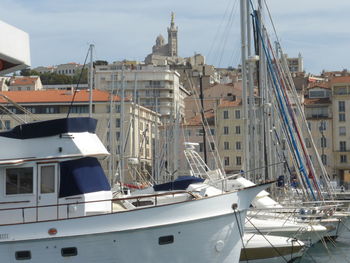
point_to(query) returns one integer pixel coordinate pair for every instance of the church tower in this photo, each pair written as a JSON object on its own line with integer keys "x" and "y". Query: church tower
{"x": 172, "y": 38}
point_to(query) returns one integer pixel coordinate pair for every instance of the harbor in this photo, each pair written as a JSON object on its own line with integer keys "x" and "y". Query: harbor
{"x": 170, "y": 158}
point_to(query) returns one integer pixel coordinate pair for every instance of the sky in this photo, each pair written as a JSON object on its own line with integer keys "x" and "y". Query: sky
{"x": 61, "y": 31}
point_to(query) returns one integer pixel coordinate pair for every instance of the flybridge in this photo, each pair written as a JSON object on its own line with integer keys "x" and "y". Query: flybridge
{"x": 14, "y": 49}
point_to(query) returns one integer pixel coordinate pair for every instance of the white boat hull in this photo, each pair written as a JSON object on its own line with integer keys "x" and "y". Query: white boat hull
{"x": 203, "y": 230}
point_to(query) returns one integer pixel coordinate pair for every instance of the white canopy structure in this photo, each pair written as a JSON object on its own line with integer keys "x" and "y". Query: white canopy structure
{"x": 14, "y": 49}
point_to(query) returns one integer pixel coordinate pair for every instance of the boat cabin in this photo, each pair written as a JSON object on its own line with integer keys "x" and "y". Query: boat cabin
{"x": 48, "y": 171}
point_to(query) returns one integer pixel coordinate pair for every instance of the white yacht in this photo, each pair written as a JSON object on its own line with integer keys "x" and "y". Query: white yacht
{"x": 56, "y": 203}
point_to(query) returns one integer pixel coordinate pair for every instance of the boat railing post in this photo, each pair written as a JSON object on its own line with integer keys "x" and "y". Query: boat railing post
{"x": 23, "y": 214}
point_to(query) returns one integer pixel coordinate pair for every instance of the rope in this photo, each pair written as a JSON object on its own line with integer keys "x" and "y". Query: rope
{"x": 241, "y": 235}
{"x": 76, "y": 89}
{"x": 260, "y": 233}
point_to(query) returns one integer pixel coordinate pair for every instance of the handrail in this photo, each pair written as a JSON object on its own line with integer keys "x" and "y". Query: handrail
{"x": 67, "y": 205}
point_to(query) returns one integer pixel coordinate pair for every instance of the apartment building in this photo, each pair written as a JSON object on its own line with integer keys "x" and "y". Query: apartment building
{"x": 138, "y": 122}
{"x": 318, "y": 112}
{"x": 340, "y": 87}
{"x": 156, "y": 88}
{"x": 230, "y": 134}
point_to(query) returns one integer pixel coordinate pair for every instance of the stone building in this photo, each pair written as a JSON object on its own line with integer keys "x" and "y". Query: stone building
{"x": 161, "y": 51}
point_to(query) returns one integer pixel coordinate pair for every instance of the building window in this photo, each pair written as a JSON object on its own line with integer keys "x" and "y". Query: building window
{"x": 237, "y": 114}
{"x": 117, "y": 123}
{"x": 7, "y": 124}
{"x": 200, "y": 132}
{"x": 342, "y": 146}
{"x": 341, "y": 116}
{"x": 225, "y": 114}
{"x": 238, "y": 129}
{"x": 225, "y": 130}
{"x": 323, "y": 142}
{"x": 226, "y": 161}
{"x": 341, "y": 106}
{"x": 308, "y": 143}
{"x": 212, "y": 131}
{"x": 117, "y": 108}
{"x": 343, "y": 159}
{"x": 324, "y": 159}
{"x": 226, "y": 146}
{"x": 201, "y": 147}
{"x": 238, "y": 146}
{"x": 238, "y": 160}
{"x": 212, "y": 146}
{"x": 117, "y": 135}
{"x": 342, "y": 131}
{"x": 19, "y": 181}
{"x": 323, "y": 126}
{"x": 188, "y": 132}
{"x": 309, "y": 125}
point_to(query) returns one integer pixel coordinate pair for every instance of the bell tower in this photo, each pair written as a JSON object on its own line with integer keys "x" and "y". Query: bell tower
{"x": 172, "y": 37}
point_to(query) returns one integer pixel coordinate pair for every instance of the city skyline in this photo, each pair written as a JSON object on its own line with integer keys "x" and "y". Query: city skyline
{"x": 61, "y": 32}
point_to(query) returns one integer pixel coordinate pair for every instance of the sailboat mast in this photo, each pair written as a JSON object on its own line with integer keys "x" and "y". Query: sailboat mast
{"x": 91, "y": 79}
{"x": 243, "y": 15}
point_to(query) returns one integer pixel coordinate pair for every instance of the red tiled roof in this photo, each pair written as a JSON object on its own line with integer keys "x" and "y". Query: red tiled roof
{"x": 197, "y": 120}
{"x": 18, "y": 81}
{"x": 323, "y": 85}
{"x": 55, "y": 96}
{"x": 230, "y": 103}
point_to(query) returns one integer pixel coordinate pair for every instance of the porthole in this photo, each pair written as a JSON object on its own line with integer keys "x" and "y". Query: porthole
{"x": 69, "y": 251}
{"x": 23, "y": 255}
{"x": 166, "y": 240}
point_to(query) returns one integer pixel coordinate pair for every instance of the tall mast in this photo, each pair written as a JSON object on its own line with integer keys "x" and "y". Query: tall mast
{"x": 121, "y": 152}
{"x": 91, "y": 79}
{"x": 243, "y": 15}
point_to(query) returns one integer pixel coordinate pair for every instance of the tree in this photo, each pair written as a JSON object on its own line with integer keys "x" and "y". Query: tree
{"x": 100, "y": 62}
{"x": 29, "y": 72}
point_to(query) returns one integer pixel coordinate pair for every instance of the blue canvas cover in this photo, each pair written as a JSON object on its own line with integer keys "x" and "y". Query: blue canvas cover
{"x": 51, "y": 128}
{"x": 180, "y": 183}
{"x": 82, "y": 176}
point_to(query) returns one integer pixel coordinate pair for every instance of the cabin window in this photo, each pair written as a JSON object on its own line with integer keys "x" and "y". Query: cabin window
{"x": 19, "y": 181}
{"x": 23, "y": 255}
{"x": 47, "y": 179}
{"x": 166, "y": 240}
{"x": 69, "y": 251}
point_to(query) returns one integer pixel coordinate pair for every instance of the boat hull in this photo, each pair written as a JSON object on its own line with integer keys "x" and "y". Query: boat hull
{"x": 203, "y": 230}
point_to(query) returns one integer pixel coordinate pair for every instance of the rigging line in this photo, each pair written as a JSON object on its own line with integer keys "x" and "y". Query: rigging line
{"x": 279, "y": 99}
{"x": 278, "y": 95}
{"x": 260, "y": 233}
{"x": 295, "y": 123}
{"x": 306, "y": 157}
{"x": 218, "y": 30}
{"x": 240, "y": 232}
{"x": 226, "y": 33}
{"x": 77, "y": 86}
{"x": 218, "y": 161}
